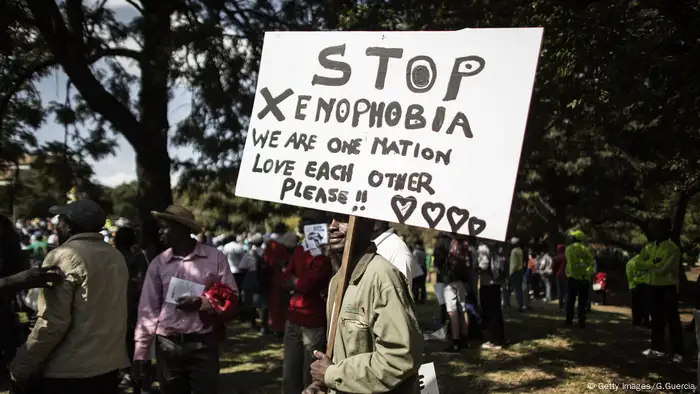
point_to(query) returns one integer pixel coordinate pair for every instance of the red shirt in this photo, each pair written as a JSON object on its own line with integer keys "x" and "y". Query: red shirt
{"x": 276, "y": 255}
{"x": 306, "y": 307}
{"x": 559, "y": 266}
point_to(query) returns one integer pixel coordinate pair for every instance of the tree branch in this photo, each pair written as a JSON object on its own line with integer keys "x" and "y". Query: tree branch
{"x": 76, "y": 21}
{"x": 19, "y": 82}
{"x": 115, "y": 52}
{"x": 75, "y": 64}
{"x": 605, "y": 238}
{"x": 133, "y": 4}
{"x": 23, "y": 78}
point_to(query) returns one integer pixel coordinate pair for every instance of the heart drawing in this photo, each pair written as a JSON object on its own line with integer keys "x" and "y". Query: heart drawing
{"x": 456, "y": 217}
{"x": 476, "y": 226}
{"x": 403, "y": 207}
{"x": 433, "y": 213}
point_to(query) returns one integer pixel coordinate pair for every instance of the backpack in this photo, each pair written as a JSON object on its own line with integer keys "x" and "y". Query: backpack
{"x": 498, "y": 268}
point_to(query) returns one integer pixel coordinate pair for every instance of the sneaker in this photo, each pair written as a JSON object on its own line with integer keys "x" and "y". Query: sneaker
{"x": 677, "y": 358}
{"x": 490, "y": 346}
{"x": 651, "y": 353}
{"x": 126, "y": 380}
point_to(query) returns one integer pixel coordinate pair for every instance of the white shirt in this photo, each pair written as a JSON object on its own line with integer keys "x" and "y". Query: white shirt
{"x": 394, "y": 249}
{"x": 53, "y": 240}
{"x": 234, "y": 253}
{"x": 249, "y": 260}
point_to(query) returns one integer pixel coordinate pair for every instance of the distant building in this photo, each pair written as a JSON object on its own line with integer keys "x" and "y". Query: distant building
{"x": 7, "y": 169}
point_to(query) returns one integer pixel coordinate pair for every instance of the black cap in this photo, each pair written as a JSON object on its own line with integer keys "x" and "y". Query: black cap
{"x": 84, "y": 213}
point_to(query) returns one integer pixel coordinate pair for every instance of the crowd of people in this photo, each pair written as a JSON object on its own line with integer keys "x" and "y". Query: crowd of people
{"x": 104, "y": 307}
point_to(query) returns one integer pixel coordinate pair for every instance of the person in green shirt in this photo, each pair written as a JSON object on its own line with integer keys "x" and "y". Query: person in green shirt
{"x": 579, "y": 270}
{"x": 660, "y": 261}
{"x": 638, "y": 285}
{"x": 38, "y": 248}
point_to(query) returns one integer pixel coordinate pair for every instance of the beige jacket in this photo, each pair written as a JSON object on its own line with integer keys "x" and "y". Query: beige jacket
{"x": 81, "y": 327}
{"x": 378, "y": 344}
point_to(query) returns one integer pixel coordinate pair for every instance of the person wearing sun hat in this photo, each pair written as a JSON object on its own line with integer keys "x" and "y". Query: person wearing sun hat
{"x": 173, "y": 309}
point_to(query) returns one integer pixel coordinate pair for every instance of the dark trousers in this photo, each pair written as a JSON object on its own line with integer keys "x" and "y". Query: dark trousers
{"x": 103, "y": 384}
{"x": 492, "y": 314}
{"x": 535, "y": 280}
{"x": 577, "y": 289}
{"x": 188, "y": 365}
{"x": 664, "y": 310}
{"x": 641, "y": 299}
{"x": 299, "y": 345}
{"x": 419, "y": 293}
{"x": 640, "y": 305}
{"x": 241, "y": 312}
{"x": 561, "y": 291}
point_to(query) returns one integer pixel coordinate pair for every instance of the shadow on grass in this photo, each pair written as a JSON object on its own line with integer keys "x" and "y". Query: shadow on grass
{"x": 545, "y": 356}
{"x": 250, "y": 363}
{"x": 542, "y": 356}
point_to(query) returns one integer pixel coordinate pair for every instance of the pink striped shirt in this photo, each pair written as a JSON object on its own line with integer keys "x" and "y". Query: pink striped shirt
{"x": 155, "y": 316}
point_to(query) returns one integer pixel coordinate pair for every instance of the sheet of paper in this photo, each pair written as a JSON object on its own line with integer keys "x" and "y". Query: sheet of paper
{"x": 309, "y": 244}
{"x": 428, "y": 379}
{"x": 317, "y": 233}
{"x": 315, "y": 252}
{"x": 181, "y": 288}
{"x": 311, "y": 247}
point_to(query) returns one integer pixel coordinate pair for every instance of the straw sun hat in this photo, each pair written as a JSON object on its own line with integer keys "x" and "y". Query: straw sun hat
{"x": 179, "y": 214}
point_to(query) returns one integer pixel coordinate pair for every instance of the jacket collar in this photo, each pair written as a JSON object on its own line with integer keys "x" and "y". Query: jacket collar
{"x": 85, "y": 236}
{"x": 199, "y": 251}
{"x": 361, "y": 266}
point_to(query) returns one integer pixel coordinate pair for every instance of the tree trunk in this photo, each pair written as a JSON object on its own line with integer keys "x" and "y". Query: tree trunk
{"x": 148, "y": 134}
{"x": 153, "y": 169}
{"x": 679, "y": 216}
{"x": 677, "y": 228}
{"x": 152, "y": 159}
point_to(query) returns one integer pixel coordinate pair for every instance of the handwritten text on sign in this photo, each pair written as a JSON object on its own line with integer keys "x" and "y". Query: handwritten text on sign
{"x": 422, "y": 128}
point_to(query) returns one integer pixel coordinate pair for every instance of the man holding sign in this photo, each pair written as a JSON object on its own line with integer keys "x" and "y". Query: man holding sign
{"x": 378, "y": 344}
{"x": 387, "y": 126}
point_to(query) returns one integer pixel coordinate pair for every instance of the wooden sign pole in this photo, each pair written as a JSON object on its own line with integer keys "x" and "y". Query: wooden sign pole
{"x": 358, "y": 229}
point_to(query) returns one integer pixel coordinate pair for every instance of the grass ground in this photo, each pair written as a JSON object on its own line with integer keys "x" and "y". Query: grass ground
{"x": 542, "y": 356}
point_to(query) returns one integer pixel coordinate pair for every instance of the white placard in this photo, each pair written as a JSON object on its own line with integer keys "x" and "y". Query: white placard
{"x": 182, "y": 288}
{"x": 428, "y": 379}
{"x": 318, "y": 233}
{"x": 421, "y": 128}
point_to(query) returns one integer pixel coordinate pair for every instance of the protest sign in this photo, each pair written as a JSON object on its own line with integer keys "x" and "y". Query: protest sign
{"x": 317, "y": 233}
{"x": 420, "y": 128}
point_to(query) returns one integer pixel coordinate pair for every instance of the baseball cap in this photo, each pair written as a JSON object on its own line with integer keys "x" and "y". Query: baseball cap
{"x": 85, "y": 213}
